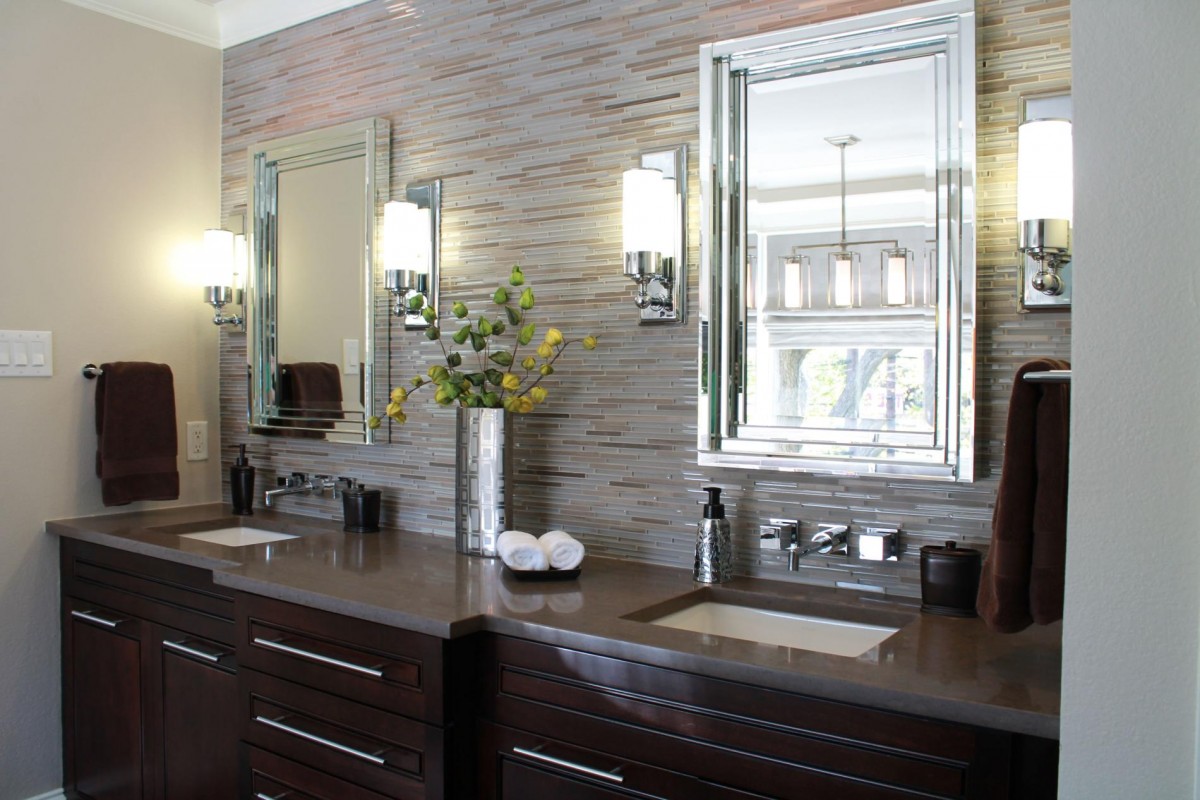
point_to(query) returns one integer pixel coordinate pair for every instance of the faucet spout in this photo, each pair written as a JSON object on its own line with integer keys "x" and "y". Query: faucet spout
{"x": 829, "y": 539}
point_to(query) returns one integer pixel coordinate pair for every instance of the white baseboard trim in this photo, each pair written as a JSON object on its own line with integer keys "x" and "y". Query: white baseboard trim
{"x": 57, "y": 794}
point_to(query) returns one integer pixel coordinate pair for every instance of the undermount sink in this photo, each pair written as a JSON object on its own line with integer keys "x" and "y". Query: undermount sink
{"x": 238, "y": 536}
{"x": 834, "y": 636}
{"x": 837, "y": 624}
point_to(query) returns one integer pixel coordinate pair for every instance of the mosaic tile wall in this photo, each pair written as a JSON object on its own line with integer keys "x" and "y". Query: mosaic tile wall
{"x": 528, "y": 111}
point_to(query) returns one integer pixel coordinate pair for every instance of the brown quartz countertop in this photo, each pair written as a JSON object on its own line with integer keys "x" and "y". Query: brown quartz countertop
{"x": 941, "y": 667}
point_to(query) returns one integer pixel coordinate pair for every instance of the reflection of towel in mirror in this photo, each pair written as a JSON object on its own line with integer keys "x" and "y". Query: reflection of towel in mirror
{"x": 135, "y": 431}
{"x": 521, "y": 551}
{"x": 1022, "y": 580}
{"x": 562, "y": 549}
{"x": 310, "y": 391}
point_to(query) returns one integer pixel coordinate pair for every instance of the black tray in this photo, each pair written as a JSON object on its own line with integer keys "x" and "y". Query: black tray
{"x": 543, "y": 574}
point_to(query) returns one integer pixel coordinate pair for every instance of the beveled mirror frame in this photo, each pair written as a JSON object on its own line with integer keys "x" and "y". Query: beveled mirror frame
{"x": 370, "y": 138}
{"x": 945, "y": 29}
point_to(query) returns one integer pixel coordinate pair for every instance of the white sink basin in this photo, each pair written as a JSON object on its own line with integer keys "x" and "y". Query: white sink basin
{"x": 800, "y": 631}
{"x": 237, "y": 536}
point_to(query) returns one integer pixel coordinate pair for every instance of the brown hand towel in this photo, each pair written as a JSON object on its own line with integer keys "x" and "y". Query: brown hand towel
{"x": 1022, "y": 579}
{"x": 135, "y": 429}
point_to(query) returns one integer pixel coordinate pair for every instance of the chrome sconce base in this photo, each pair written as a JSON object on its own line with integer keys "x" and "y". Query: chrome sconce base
{"x": 661, "y": 276}
{"x": 403, "y": 284}
{"x": 220, "y": 296}
{"x": 1045, "y": 246}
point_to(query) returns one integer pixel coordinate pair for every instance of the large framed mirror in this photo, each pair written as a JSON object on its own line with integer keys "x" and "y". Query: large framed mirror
{"x": 837, "y": 246}
{"x": 314, "y": 199}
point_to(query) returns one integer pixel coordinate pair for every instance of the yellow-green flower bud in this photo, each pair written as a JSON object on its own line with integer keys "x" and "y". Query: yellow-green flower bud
{"x": 537, "y": 394}
{"x": 526, "y": 301}
{"x": 546, "y": 369}
{"x": 374, "y": 422}
{"x": 524, "y": 405}
{"x": 418, "y": 381}
{"x": 544, "y": 350}
{"x": 589, "y": 343}
{"x": 511, "y": 382}
{"x": 459, "y": 309}
{"x": 500, "y": 297}
{"x": 517, "y": 277}
{"x": 529, "y": 362}
{"x": 438, "y": 373}
{"x": 393, "y": 409}
{"x": 399, "y": 394}
{"x": 400, "y": 417}
{"x": 554, "y": 337}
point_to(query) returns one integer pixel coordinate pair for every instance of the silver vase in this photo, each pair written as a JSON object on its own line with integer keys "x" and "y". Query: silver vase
{"x": 482, "y": 479}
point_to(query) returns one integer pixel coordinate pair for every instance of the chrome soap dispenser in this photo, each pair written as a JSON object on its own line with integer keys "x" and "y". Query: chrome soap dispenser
{"x": 714, "y": 545}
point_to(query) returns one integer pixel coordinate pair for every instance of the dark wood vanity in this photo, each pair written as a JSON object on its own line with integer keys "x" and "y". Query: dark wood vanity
{"x": 178, "y": 687}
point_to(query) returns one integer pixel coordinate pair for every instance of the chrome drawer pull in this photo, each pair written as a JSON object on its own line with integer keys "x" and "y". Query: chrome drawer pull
{"x": 265, "y": 796}
{"x": 90, "y": 616}
{"x": 333, "y": 662}
{"x": 319, "y": 740}
{"x": 180, "y": 647}
{"x": 558, "y": 762}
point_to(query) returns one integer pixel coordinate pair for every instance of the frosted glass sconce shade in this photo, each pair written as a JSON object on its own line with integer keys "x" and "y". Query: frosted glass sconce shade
{"x": 216, "y": 266}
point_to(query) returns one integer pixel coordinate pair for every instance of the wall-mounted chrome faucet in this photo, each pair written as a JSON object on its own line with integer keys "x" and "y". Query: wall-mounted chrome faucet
{"x": 299, "y": 483}
{"x": 784, "y": 534}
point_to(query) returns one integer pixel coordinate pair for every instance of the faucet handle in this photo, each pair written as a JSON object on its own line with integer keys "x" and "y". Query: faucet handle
{"x": 293, "y": 480}
{"x": 779, "y": 534}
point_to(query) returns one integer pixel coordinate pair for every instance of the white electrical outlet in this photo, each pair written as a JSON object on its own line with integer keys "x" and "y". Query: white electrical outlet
{"x": 197, "y": 441}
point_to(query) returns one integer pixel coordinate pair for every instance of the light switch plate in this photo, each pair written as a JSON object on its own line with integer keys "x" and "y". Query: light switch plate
{"x": 350, "y": 356}
{"x": 26, "y": 354}
{"x": 197, "y": 441}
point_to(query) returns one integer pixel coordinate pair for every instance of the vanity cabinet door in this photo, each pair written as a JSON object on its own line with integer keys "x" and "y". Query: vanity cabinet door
{"x": 103, "y": 695}
{"x": 198, "y": 713}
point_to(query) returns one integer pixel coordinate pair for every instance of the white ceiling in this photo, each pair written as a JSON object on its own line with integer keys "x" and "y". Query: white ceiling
{"x": 216, "y": 23}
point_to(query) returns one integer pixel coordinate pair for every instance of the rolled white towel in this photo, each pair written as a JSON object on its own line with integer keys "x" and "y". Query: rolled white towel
{"x": 522, "y": 551}
{"x": 563, "y": 550}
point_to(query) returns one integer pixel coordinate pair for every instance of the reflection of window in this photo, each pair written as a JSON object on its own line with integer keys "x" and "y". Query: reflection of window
{"x": 846, "y": 388}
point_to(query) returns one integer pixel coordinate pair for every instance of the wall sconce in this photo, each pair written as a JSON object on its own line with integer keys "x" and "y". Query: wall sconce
{"x": 1045, "y": 198}
{"x": 411, "y": 233}
{"x": 654, "y": 227}
{"x": 219, "y": 266}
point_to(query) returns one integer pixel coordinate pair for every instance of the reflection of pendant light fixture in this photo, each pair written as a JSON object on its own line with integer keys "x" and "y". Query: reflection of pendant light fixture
{"x": 845, "y": 284}
{"x": 895, "y": 287}
{"x": 797, "y": 281}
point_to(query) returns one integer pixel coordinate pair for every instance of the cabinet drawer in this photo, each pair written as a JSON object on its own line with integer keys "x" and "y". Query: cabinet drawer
{"x": 271, "y": 777}
{"x": 782, "y": 744}
{"x": 378, "y": 750}
{"x": 174, "y": 595}
{"x": 391, "y": 669}
{"x": 517, "y": 765}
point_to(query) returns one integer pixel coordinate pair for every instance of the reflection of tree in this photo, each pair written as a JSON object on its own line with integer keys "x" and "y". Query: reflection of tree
{"x": 792, "y": 398}
{"x": 860, "y": 366}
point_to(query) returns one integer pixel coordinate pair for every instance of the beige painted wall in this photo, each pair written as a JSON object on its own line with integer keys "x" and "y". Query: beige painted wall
{"x": 110, "y": 135}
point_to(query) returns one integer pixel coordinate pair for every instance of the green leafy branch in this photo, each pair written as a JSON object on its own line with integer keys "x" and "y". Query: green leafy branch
{"x": 502, "y": 377}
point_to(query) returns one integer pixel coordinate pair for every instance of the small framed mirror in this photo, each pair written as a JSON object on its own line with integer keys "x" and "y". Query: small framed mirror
{"x": 837, "y": 246}
{"x": 314, "y": 201}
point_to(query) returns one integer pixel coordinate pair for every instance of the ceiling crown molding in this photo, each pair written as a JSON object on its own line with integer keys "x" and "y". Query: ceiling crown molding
{"x": 243, "y": 20}
{"x": 187, "y": 19}
{"x": 216, "y": 23}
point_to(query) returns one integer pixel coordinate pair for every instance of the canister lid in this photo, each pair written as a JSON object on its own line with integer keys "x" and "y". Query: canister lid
{"x": 951, "y": 550}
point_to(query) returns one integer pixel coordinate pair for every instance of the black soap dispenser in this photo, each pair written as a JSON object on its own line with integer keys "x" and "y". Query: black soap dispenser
{"x": 241, "y": 484}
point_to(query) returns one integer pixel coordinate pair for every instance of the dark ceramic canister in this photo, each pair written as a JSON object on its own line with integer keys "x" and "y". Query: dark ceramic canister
{"x": 949, "y": 579}
{"x": 360, "y": 507}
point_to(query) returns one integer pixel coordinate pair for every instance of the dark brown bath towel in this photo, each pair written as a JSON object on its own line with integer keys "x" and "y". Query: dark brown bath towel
{"x": 1022, "y": 580}
{"x": 135, "y": 431}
